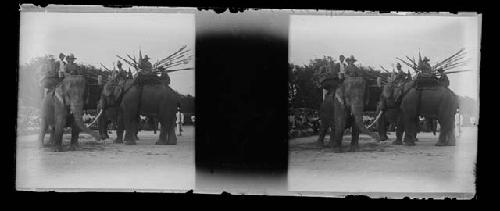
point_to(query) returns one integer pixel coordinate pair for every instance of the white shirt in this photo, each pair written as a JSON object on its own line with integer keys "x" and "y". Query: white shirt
{"x": 180, "y": 118}
{"x": 342, "y": 67}
{"x": 62, "y": 66}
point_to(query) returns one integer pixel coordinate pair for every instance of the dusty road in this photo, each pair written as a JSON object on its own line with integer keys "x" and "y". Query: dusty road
{"x": 108, "y": 166}
{"x": 424, "y": 168}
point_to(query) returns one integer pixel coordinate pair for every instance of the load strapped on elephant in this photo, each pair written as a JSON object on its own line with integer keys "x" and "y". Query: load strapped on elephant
{"x": 157, "y": 73}
{"x": 429, "y": 77}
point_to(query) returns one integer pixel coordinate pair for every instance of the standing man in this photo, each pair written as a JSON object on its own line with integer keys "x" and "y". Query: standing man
{"x": 180, "y": 121}
{"x": 342, "y": 66}
{"x": 61, "y": 65}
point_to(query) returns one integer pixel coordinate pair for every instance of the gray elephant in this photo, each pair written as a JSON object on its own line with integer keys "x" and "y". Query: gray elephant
{"x": 436, "y": 102}
{"x": 156, "y": 100}
{"x": 64, "y": 107}
{"x": 349, "y": 104}
{"x": 390, "y": 112}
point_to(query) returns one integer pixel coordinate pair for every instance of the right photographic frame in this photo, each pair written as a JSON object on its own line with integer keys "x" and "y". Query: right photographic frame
{"x": 383, "y": 105}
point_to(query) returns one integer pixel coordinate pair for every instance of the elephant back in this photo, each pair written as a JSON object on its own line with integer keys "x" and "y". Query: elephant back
{"x": 355, "y": 84}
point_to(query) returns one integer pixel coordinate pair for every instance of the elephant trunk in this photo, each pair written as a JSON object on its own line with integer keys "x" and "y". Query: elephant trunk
{"x": 358, "y": 119}
{"x": 79, "y": 123}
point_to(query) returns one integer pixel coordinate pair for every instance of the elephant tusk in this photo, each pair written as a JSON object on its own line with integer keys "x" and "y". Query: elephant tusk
{"x": 96, "y": 118}
{"x": 376, "y": 119}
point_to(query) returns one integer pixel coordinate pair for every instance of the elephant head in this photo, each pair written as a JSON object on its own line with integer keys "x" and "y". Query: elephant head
{"x": 71, "y": 93}
{"x": 401, "y": 88}
{"x": 352, "y": 96}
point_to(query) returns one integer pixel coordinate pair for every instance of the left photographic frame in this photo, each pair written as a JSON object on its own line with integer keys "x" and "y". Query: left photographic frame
{"x": 106, "y": 99}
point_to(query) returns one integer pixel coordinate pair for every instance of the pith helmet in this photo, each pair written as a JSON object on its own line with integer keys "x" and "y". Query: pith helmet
{"x": 351, "y": 58}
{"x": 70, "y": 57}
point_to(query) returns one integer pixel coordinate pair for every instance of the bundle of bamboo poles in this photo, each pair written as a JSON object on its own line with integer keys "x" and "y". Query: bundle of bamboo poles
{"x": 167, "y": 64}
{"x": 454, "y": 61}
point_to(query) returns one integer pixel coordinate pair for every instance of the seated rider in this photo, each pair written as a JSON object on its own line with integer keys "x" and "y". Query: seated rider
{"x": 400, "y": 75}
{"x": 443, "y": 78}
{"x": 352, "y": 70}
{"x": 164, "y": 75}
{"x": 146, "y": 74}
{"x": 71, "y": 67}
{"x": 426, "y": 76}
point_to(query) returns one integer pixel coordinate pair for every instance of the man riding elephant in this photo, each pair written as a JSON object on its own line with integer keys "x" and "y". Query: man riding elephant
{"x": 352, "y": 70}
{"x": 71, "y": 67}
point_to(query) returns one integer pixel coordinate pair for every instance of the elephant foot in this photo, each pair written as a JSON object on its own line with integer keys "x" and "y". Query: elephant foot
{"x": 383, "y": 139}
{"x": 105, "y": 136}
{"x": 353, "y": 148}
{"x": 440, "y": 144}
{"x": 319, "y": 143}
{"x": 397, "y": 142}
{"x": 118, "y": 141}
{"x": 409, "y": 143}
{"x": 130, "y": 143}
{"x": 337, "y": 148}
{"x": 58, "y": 149}
{"x": 74, "y": 147}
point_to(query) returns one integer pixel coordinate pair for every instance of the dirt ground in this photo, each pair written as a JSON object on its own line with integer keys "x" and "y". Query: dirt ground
{"x": 423, "y": 170}
{"x": 107, "y": 166}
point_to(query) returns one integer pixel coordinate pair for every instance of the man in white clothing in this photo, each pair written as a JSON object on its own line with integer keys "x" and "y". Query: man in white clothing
{"x": 180, "y": 121}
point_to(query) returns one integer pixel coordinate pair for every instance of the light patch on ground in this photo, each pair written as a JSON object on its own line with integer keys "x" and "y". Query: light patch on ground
{"x": 107, "y": 166}
{"x": 382, "y": 167}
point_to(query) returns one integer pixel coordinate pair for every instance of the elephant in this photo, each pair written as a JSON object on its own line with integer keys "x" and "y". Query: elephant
{"x": 109, "y": 107}
{"x": 390, "y": 112}
{"x": 349, "y": 104}
{"x": 62, "y": 107}
{"x": 437, "y": 102}
{"x": 156, "y": 100}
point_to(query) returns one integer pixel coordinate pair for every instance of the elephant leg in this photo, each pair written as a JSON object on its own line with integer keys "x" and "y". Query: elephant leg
{"x": 322, "y": 132}
{"x": 52, "y": 136}
{"x": 399, "y": 131}
{"x": 119, "y": 129}
{"x": 163, "y": 134}
{"x": 75, "y": 132}
{"x": 332, "y": 133}
{"x": 451, "y": 137}
{"x": 103, "y": 125}
{"x": 339, "y": 133}
{"x": 354, "y": 139}
{"x": 130, "y": 124}
{"x": 382, "y": 128}
{"x": 410, "y": 130}
{"x": 43, "y": 130}
{"x": 58, "y": 133}
{"x": 171, "y": 138}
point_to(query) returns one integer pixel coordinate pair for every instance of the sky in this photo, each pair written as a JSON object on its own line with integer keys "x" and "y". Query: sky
{"x": 378, "y": 40}
{"x": 96, "y": 38}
